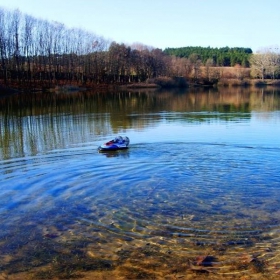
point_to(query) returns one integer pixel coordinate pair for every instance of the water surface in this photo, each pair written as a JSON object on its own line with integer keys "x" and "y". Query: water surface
{"x": 196, "y": 195}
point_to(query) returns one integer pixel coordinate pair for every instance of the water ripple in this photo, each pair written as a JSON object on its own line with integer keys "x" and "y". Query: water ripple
{"x": 187, "y": 198}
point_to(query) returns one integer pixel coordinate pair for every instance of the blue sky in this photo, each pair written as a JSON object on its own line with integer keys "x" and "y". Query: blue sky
{"x": 166, "y": 23}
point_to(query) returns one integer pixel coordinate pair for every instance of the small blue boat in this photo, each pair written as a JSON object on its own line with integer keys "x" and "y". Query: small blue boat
{"x": 119, "y": 143}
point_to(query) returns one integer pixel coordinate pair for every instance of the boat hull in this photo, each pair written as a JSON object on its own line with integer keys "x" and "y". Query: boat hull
{"x": 100, "y": 148}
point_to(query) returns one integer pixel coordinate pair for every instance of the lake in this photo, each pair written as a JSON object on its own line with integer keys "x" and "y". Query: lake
{"x": 196, "y": 196}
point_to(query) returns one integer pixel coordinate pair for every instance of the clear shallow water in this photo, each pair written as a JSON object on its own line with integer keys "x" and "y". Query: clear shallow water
{"x": 197, "y": 193}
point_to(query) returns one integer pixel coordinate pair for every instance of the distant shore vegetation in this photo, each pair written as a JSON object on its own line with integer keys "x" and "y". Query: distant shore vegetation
{"x": 39, "y": 54}
{"x": 215, "y": 56}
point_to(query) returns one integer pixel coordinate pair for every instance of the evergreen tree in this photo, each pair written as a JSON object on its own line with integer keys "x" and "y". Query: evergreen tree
{"x": 221, "y": 56}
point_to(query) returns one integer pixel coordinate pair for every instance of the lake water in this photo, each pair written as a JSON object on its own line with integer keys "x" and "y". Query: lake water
{"x": 196, "y": 196}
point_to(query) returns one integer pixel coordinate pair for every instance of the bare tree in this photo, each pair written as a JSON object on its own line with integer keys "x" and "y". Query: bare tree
{"x": 208, "y": 67}
{"x": 274, "y": 62}
{"x": 259, "y": 64}
{"x": 265, "y": 63}
{"x": 196, "y": 63}
{"x": 3, "y": 43}
{"x": 28, "y": 43}
{"x": 15, "y": 33}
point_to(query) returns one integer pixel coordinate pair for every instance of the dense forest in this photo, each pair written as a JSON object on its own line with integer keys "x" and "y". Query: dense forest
{"x": 38, "y": 53}
{"x": 219, "y": 56}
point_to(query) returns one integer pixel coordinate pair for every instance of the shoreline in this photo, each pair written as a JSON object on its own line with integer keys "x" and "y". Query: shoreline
{"x": 72, "y": 88}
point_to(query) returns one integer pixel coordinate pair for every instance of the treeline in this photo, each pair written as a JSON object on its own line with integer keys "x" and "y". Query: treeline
{"x": 40, "y": 53}
{"x": 218, "y": 56}
{"x": 36, "y": 51}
